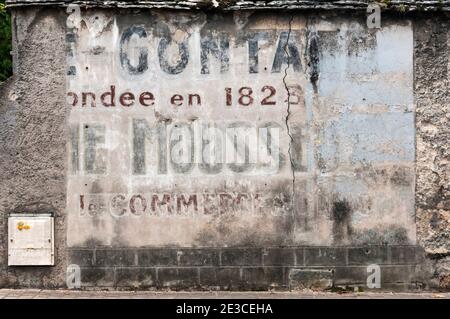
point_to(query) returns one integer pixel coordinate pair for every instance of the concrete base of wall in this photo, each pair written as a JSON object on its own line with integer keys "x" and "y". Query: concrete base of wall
{"x": 289, "y": 268}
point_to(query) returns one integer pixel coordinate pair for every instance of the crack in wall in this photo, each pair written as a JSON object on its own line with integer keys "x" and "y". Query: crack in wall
{"x": 288, "y": 111}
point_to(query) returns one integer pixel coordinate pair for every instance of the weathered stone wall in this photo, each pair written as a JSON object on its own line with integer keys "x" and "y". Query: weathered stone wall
{"x": 33, "y": 137}
{"x": 432, "y": 65}
{"x": 359, "y": 207}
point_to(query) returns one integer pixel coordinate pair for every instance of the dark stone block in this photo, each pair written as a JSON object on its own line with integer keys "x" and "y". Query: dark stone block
{"x": 225, "y": 278}
{"x": 178, "y": 278}
{"x": 264, "y": 277}
{"x": 136, "y": 277}
{"x": 208, "y": 276}
{"x": 279, "y": 257}
{"x": 97, "y": 277}
{"x": 299, "y": 257}
{"x": 303, "y": 278}
{"x": 157, "y": 257}
{"x": 242, "y": 257}
{"x": 350, "y": 275}
{"x": 81, "y": 257}
{"x": 115, "y": 257}
{"x": 198, "y": 257}
{"x": 407, "y": 254}
{"x": 228, "y": 277}
{"x": 368, "y": 255}
{"x": 316, "y": 256}
{"x": 397, "y": 274}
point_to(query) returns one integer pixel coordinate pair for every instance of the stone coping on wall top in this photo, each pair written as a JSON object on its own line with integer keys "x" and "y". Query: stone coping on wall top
{"x": 399, "y": 5}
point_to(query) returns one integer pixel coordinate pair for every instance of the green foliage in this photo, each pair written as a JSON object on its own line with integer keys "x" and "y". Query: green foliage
{"x": 5, "y": 43}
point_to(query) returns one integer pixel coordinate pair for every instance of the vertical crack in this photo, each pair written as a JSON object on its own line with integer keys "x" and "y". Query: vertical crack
{"x": 288, "y": 111}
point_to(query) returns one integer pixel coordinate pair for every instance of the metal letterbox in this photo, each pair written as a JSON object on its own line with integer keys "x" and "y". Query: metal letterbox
{"x": 30, "y": 240}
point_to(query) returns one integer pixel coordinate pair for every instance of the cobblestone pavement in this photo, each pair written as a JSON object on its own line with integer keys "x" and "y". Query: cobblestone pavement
{"x": 71, "y": 294}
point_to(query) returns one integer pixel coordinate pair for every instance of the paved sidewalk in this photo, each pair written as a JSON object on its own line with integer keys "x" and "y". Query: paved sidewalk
{"x": 70, "y": 294}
